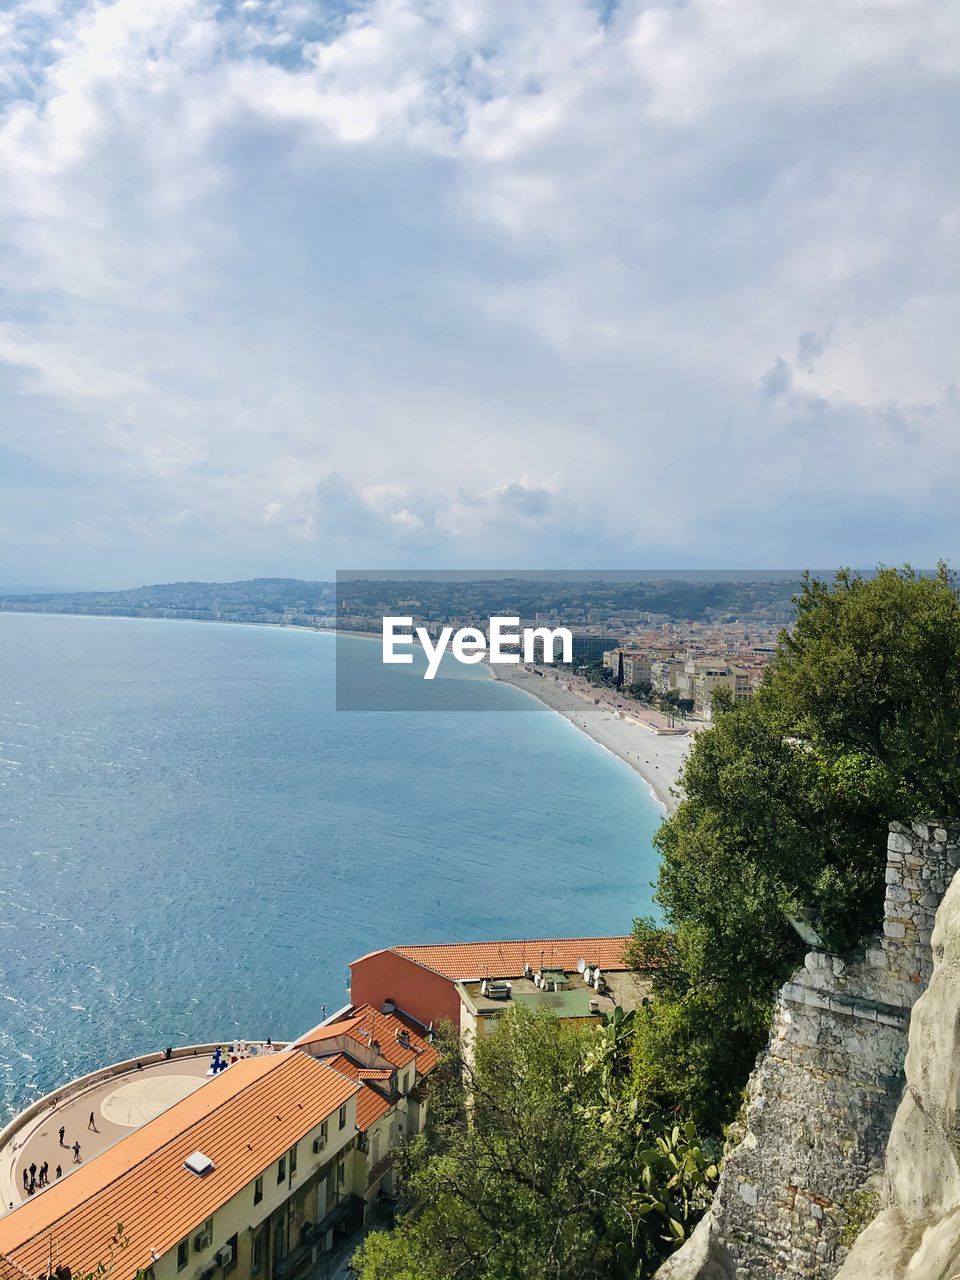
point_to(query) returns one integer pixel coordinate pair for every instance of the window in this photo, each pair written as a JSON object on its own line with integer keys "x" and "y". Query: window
{"x": 256, "y": 1254}
{"x": 258, "y": 1190}
{"x": 341, "y": 1174}
{"x": 323, "y": 1129}
{"x": 342, "y": 1118}
{"x": 232, "y": 1246}
{"x": 281, "y": 1169}
{"x": 293, "y": 1159}
{"x": 183, "y": 1254}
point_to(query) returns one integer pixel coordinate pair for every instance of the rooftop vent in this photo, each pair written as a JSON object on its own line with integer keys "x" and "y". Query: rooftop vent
{"x": 199, "y": 1164}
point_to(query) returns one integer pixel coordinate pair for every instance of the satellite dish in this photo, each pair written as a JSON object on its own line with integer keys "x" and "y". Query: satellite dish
{"x": 581, "y": 965}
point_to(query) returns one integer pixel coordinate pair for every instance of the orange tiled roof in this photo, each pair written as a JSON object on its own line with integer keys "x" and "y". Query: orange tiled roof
{"x": 325, "y": 1031}
{"x": 364, "y": 1024}
{"x": 369, "y": 1024}
{"x": 371, "y": 1103}
{"x": 471, "y": 961}
{"x": 340, "y": 1062}
{"x": 243, "y": 1120}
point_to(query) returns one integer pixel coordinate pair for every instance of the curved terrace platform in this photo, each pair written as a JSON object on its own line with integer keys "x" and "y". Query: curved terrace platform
{"x": 120, "y": 1098}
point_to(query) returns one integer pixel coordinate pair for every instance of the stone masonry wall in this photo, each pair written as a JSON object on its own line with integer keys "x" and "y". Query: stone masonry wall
{"x": 821, "y": 1101}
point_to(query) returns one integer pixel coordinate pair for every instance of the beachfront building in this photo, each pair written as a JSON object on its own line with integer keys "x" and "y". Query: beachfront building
{"x": 636, "y": 665}
{"x": 663, "y": 674}
{"x": 470, "y": 985}
{"x": 246, "y": 1177}
{"x": 264, "y": 1170}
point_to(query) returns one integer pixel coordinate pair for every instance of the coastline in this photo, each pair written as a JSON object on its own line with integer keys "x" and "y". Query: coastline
{"x": 657, "y": 757}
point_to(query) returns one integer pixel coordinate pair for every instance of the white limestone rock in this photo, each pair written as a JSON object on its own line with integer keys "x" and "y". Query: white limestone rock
{"x": 917, "y": 1237}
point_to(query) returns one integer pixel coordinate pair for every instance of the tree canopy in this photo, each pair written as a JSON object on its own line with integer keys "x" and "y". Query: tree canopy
{"x": 538, "y": 1166}
{"x": 786, "y": 805}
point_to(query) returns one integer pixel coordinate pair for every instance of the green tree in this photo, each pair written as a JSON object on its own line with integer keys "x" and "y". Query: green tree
{"x": 538, "y": 1166}
{"x": 787, "y": 802}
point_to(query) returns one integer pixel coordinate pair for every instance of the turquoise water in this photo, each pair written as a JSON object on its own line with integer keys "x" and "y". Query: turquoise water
{"x": 194, "y": 842}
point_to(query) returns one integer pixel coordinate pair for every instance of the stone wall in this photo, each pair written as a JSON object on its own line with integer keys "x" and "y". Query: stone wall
{"x": 822, "y": 1099}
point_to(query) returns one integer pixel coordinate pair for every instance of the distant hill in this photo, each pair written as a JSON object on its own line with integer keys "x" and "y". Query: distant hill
{"x": 265, "y": 600}
{"x": 360, "y": 603}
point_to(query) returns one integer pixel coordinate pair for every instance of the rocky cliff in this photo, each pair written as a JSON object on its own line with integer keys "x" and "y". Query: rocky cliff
{"x": 807, "y": 1172}
{"x": 917, "y": 1234}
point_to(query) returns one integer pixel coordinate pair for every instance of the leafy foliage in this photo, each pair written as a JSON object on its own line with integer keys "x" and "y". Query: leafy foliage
{"x": 539, "y": 1166}
{"x": 787, "y": 802}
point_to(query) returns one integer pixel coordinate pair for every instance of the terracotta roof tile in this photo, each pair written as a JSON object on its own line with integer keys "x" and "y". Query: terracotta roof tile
{"x": 325, "y": 1031}
{"x": 369, "y": 1024}
{"x": 340, "y": 1062}
{"x": 243, "y": 1120}
{"x": 471, "y": 961}
{"x": 371, "y": 1105}
{"x": 363, "y": 1025}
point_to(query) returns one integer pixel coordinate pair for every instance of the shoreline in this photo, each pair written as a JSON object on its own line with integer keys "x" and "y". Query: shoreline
{"x": 657, "y": 757}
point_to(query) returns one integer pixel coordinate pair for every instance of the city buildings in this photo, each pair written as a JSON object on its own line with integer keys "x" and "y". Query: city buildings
{"x": 270, "y": 1165}
{"x": 223, "y": 1182}
{"x": 693, "y": 674}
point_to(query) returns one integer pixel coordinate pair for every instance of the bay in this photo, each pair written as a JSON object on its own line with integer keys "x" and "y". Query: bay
{"x": 194, "y": 842}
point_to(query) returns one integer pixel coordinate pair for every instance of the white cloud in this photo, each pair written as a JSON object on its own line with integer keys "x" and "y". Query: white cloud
{"x": 285, "y": 276}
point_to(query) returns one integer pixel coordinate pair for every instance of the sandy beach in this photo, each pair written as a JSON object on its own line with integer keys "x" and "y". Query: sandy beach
{"x": 658, "y": 757}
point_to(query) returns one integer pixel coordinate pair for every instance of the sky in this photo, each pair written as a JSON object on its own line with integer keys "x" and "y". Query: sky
{"x": 289, "y": 287}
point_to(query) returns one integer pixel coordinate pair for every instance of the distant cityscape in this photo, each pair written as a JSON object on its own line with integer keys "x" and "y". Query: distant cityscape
{"x": 672, "y": 642}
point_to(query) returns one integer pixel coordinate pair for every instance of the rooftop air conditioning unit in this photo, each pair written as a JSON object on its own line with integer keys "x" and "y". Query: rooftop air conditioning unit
{"x": 319, "y": 1144}
{"x": 225, "y": 1256}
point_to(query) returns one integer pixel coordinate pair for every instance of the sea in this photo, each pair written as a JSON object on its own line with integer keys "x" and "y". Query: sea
{"x": 195, "y": 842}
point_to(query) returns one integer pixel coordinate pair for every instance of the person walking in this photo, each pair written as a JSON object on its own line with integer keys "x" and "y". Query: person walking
{"x": 76, "y": 1153}
{"x": 33, "y": 1173}
{"x": 91, "y": 1123}
{"x": 45, "y": 1174}
{"x": 59, "y": 1172}
{"x": 26, "y": 1179}
{"x": 62, "y": 1132}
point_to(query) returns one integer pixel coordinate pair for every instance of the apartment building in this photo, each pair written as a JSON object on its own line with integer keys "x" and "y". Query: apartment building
{"x": 246, "y": 1177}
{"x": 389, "y": 1056}
{"x": 257, "y": 1175}
{"x": 471, "y": 984}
